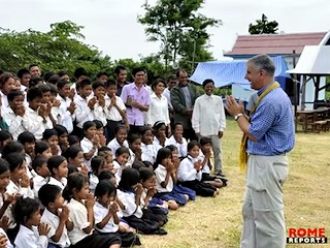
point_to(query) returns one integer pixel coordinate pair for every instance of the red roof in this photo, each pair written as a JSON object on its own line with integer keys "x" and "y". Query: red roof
{"x": 274, "y": 43}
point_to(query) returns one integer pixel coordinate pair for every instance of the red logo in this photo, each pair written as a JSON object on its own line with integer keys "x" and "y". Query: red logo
{"x": 306, "y": 236}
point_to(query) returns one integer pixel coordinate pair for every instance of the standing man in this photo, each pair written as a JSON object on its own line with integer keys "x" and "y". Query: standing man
{"x": 137, "y": 100}
{"x": 209, "y": 120}
{"x": 121, "y": 77}
{"x": 183, "y": 97}
{"x": 35, "y": 71}
{"x": 270, "y": 136}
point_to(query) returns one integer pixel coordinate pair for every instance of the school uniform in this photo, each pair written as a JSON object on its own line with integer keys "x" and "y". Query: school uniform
{"x": 133, "y": 214}
{"x": 64, "y": 117}
{"x": 157, "y": 143}
{"x": 182, "y": 147}
{"x": 82, "y": 112}
{"x": 99, "y": 113}
{"x": 93, "y": 181}
{"x": 118, "y": 170}
{"x": 113, "y": 117}
{"x": 58, "y": 183}
{"x": 191, "y": 178}
{"x": 38, "y": 182}
{"x": 16, "y": 124}
{"x": 27, "y": 238}
{"x": 171, "y": 191}
{"x": 53, "y": 222}
{"x": 149, "y": 152}
{"x": 114, "y": 145}
{"x": 39, "y": 123}
{"x": 8, "y": 245}
{"x": 80, "y": 239}
{"x": 86, "y": 146}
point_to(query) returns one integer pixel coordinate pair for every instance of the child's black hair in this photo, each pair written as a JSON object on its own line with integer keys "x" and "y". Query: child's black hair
{"x": 49, "y": 133}
{"x": 97, "y": 84}
{"x": 73, "y": 139}
{"x": 72, "y": 152}
{"x": 129, "y": 178}
{"x": 11, "y": 147}
{"x": 205, "y": 140}
{"x": 61, "y": 83}
{"x": 15, "y": 160}
{"x": 105, "y": 187}
{"x": 12, "y": 94}
{"x": 54, "y": 162}
{"x": 207, "y": 81}
{"x": 38, "y": 162}
{"x": 33, "y": 93}
{"x": 80, "y": 72}
{"x": 98, "y": 124}
{"x": 4, "y": 135}
{"x": 40, "y": 147}
{"x": 158, "y": 125}
{"x": 103, "y": 151}
{"x": 24, "y": 208}
{"x": 110, "y": 82}
{"x": 26, "y": 137}
{"x": 76, "y": 181}
{"x": 88, "y": 124}
{"x": 121, "y": 150}
{"x": 192, "y": 144}
{"x": 22, "y": 72}
{"x": 48, "y": 194}
{"x": 162, "y": 154}
{"x": 145, "y": 173}
{"x": 85, "y": 82}
{"x": 119, "y": 127}
{"x": 145, "y": 129}
{"x": 136, "y": 70}
{"x": 4, "y": 166}
{"x": 138, "y": 165}
{"x": 96, "y": 163}
{"x": 172, "y": 148}
{"x": 106, "y": 175}
{"x": 133, "y": 137}
{"x": 60, "y": 130}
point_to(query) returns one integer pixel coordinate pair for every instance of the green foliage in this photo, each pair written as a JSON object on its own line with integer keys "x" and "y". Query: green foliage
{"x": 58, "y": 49}
{"x": 263, "y": 26}
{"x": 181, "y": 30}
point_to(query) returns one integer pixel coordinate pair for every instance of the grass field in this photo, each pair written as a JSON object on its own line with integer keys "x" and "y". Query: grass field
{"x": 217, "y": 222}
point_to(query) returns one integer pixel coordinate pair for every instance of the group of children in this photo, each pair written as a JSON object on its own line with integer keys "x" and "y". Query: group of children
{"x": 68, "y": 178}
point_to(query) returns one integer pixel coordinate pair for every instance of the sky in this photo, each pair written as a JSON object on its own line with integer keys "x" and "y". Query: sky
{"x": 112, "y": 26}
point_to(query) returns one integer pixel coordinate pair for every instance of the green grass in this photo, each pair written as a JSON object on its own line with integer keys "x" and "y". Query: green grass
{"x": 217, "y": 222}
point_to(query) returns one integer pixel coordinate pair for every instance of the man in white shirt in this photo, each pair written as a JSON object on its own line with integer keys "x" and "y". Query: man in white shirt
{"x": 209, "y": 120}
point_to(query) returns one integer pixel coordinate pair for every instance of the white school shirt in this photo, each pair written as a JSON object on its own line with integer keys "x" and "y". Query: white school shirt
{"x": 17, "y": 124}
{"x": 39, "y": 125}
{"x": 182, "y": 148}
{"x": 58, "y": 183}
{"x": 149, "y": 152}
{"x": 208, "y": 115}
{"x": 158, "y": 110}
{"x": 186, "y": 170}
{"x": 38, "y": 182}
{"x": 86, "y": 146}
{"x": 114, "y": 145}
{"x": 53, "y": 222}
{"x": 78, "y": 215}
{"x": 99, "y": 213}
{"x": 161, "y": 173}
{"x": 118, "y": 170}
{"x": 4, "y": 103}
{"x": 128, "y": 199}
{"x": 113, "y": 113}
{"x": 82, "y": 112}
{"x": 93, "y": 181}
{"x": 167, "y": 94}
{"x": 157, "y": 143}
{"x": 27, "y": 238}
{"x": 64, "y": 116}
{"x": 99, "y": 113}
{"x": 206, "y": 168}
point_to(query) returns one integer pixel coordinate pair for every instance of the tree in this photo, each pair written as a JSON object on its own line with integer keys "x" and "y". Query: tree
{"x": 263, "y": 26}
{"x": 59, "y": 49}
{"x": 181, "y": 30}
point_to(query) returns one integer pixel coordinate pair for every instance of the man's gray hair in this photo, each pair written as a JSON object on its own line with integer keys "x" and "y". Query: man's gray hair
{"x": 263, "y": 62}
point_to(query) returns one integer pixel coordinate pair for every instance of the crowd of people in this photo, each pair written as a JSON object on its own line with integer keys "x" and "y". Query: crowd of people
{"x": 94, "y": 163}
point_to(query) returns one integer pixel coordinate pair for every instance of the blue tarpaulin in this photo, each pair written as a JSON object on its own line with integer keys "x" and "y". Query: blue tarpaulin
{"x": 226, "y": 73}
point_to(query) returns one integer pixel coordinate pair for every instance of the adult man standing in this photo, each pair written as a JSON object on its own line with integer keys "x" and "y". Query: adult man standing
{"x": 270, "y": 134}
{"x": 209, "y": 120}
{"x": 121, "y": 77}
{"x": 137, "y": 100}
{"x": 35, "y": 71}
{"x": 183, "y": 97}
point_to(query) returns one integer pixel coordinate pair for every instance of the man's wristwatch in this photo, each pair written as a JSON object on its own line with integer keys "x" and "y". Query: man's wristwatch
{"x": 236, "y": 117}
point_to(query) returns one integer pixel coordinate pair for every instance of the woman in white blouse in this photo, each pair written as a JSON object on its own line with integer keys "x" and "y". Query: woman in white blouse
{"x": 158, "y": 108}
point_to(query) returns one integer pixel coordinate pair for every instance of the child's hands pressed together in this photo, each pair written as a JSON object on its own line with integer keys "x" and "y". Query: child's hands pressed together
{"x": 151, "y": 192}
{"x": 92, "y": 103}
{"x": 5, "y": 222}
{"x": 138, "y": 189}
{"x": 64, "y": 215}
{"x": 114, "y": 208}
{"x": 90, "y": 201}
{"x": 43, "y": 229}
{"x": 3, "y": 241}
{"x": 198, "y": 165}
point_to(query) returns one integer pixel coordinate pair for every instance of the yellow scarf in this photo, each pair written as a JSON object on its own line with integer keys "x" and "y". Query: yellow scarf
{"x": 243, "y": 157}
